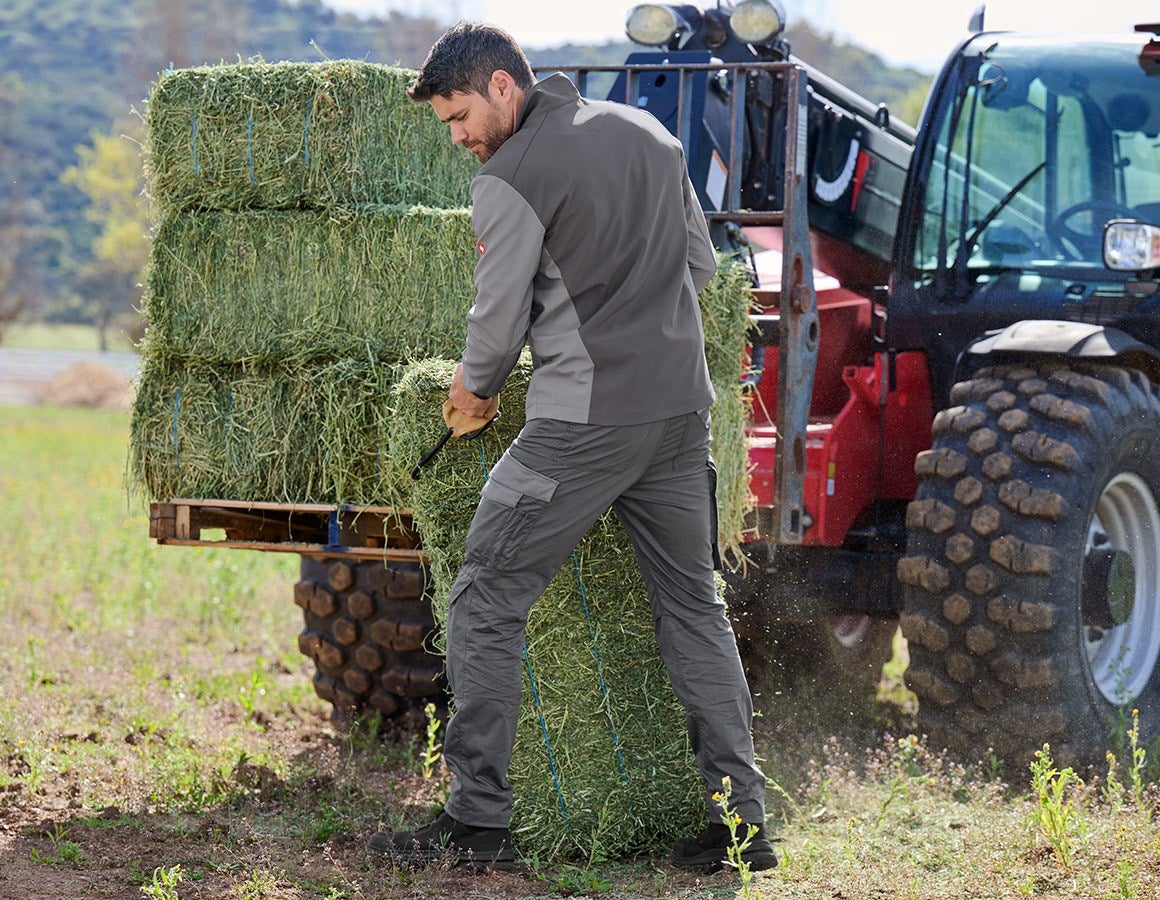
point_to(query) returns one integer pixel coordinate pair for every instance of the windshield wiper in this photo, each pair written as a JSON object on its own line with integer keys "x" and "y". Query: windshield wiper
{"x": 968, "y": 245}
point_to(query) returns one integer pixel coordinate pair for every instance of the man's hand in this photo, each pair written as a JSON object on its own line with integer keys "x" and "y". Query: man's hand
{"x": 466, "y": 402}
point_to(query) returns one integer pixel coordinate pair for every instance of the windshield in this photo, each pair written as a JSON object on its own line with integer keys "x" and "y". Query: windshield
{"x": 1042, "y": 146}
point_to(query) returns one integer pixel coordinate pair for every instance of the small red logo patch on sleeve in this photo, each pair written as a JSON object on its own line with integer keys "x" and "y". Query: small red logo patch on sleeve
{"x": 480, "y": 248}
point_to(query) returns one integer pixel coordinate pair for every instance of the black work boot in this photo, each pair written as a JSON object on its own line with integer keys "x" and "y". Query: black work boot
{"x": 450, "y": 840}
{"x": 709, "y": 851}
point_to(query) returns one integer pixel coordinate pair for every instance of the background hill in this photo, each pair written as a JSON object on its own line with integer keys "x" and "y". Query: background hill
{"x": 73, "y": 77}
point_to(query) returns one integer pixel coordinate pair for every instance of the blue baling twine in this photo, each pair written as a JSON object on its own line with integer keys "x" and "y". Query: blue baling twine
{"x": 544, "y": 730}
{"x": 306, "y": 132}
{"x": 536, "y": 693}
{"x": 250, "y": 149}
{"x": 226, "y": 424}
{"x": 176, "y": 413}
{"x": 193, "y": 141}
{"x": 600, "y": 673}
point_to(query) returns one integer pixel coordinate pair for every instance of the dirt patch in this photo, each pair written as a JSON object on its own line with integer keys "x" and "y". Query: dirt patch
{"x": 88, "y": 385}
{"x": 53, "y": 847}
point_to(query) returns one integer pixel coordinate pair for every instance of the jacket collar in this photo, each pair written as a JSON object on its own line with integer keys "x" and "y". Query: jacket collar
{"x": 553, "y": 92}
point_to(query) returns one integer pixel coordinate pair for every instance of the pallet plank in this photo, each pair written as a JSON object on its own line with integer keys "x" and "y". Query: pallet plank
{"x": 360, "y": 531}
{"x": 416, "y": 556}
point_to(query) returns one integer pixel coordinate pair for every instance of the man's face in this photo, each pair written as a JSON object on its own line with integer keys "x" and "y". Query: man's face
{"x": 477, "y": 122}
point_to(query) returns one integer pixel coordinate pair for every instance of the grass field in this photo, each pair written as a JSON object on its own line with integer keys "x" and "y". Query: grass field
{"x": 159, "y": 737}
{"x": 40, "y": 336}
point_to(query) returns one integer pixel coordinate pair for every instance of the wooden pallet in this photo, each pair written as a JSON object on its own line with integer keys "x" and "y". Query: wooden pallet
{"x": 369, "y": 532}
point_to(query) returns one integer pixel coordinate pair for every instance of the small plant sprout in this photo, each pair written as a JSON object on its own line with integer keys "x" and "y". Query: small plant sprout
{"x": 1136, "y": 766}
{"x": 1054, "y": 812}
{"x": 258, "y": 885}
{"x": 431, "y": 752}
{"x": 30, "y": 660}
{"x": 164, "y": 884}
{"x": 1113, "y": 789}
{"x": 64, "y": 852}
{"x": 248, "y": 694}
{"x": 738, "y": 844}
{"x": 1127, "y": 884}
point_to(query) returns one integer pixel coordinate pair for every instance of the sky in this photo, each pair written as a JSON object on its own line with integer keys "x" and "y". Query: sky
{"x": 904, "y": 32}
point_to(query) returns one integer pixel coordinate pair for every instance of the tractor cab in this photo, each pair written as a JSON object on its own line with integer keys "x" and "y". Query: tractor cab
{"x": 1035, "y": 194}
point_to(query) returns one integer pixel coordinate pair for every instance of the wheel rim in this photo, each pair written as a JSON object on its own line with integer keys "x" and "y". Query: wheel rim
{"x": 1122, "y": 658}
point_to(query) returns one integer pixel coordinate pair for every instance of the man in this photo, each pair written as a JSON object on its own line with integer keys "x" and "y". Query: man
{"x": 591, "y": 250}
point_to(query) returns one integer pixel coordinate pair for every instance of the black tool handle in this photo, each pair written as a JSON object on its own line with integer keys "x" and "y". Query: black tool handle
{"x": 430, "y": 454}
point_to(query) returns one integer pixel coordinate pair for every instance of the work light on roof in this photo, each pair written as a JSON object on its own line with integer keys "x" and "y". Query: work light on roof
{"x": 653, "y": 25}
{"x": 757, "y": 21}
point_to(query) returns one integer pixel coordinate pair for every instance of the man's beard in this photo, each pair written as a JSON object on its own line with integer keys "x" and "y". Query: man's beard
{"x": 494, "y": 134}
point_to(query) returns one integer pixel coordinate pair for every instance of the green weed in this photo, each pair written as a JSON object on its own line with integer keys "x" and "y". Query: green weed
{"x": 255, "y": 688}
{"x": 30, "y": 660}
{"x": 64, "y": 852}
{"x": 582, "y": 880}
{"x": 163, "y": 885}
{"x": 39, "y": 761}
{"x": 259, "y": 885}
{"x": 1137, "y": 760}
{"x": 738, "y": 844}
{"x": 433, "y": 749}
{"x": 1127, "y": 885}
{"x": 328, "y": 822}
{"x": 1113, "y": 788}
{"x": 365, "y": 734}
{"x": 1054, "y": 811}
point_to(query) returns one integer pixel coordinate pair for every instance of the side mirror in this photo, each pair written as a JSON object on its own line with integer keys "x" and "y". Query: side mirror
{"x": 1131, "y": 246}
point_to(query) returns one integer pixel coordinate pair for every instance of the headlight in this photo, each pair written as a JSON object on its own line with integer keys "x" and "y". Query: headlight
{"x": 1131, "y": 246}
{"x": 652, "y": 24}
{"x": 757, "y": 21}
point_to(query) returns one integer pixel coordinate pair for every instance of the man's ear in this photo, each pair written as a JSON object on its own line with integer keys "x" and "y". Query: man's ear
{"x": 501, "y": 84}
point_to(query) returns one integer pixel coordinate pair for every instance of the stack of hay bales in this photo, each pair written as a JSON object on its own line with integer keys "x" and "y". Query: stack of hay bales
{"x": 306, "y": 301}
{"x": 312, "y": 237}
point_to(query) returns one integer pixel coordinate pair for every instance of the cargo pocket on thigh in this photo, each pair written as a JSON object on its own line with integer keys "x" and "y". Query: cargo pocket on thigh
{"x": 714, "y": 525}
{"x": 519, "y": 495}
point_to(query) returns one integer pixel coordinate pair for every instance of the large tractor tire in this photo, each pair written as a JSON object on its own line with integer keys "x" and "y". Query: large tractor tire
{"x": 368, "y": 625}
{"x": 1032, "y": 587}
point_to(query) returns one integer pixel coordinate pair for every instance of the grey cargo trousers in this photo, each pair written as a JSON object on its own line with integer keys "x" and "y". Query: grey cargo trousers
{"x": 552, "y": 484}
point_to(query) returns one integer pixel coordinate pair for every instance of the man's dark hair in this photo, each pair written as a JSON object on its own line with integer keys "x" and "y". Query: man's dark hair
{"x": 463, "y": 60}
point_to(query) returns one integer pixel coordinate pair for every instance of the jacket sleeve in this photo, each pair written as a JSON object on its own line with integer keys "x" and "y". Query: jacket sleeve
{"x": 702, "y": 256}
{"x": 510, "y": 243}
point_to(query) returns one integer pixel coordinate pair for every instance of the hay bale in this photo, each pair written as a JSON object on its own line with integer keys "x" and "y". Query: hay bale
{"x": 88, "y": 385}
{"x": 265, "y": 287}
{"x": 311, "y": 433}
{"x": 725, "y": 305}
{"x": 282, "y": 135}
{"x": 602, "y": 765}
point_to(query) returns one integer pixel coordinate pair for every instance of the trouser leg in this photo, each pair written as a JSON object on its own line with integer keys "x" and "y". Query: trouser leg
{"x": 668, "y": 513}
{"x": 536, "y": 506}
{"x": 542, "y": 497}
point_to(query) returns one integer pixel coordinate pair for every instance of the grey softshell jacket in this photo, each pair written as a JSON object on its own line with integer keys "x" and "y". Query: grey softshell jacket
{"x": 591, "y": 250}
